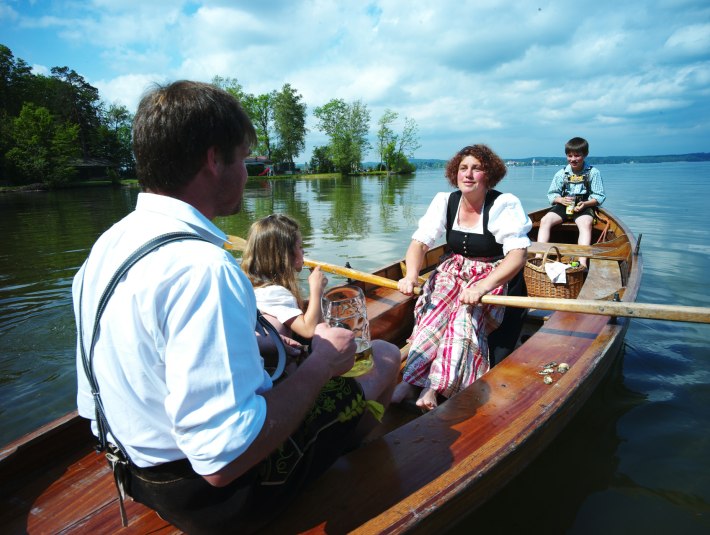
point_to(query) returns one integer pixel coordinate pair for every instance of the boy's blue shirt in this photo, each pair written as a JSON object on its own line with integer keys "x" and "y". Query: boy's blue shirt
{"x": 596, "y": 184}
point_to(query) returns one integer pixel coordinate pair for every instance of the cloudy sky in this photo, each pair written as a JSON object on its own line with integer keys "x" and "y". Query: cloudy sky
{"x": 632, "y": 77}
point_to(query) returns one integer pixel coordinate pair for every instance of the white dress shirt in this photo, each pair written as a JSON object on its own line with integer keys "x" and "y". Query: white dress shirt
{"x": 507, "y": 221}
{"x": 176, "y": 357}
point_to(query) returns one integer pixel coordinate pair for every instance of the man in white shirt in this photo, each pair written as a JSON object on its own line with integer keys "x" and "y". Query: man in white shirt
{"x": 174, "y": 359}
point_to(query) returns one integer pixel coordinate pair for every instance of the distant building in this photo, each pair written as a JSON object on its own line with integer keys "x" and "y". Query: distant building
{"x": 258, "y": 166}
{"x": 93, "y": 168}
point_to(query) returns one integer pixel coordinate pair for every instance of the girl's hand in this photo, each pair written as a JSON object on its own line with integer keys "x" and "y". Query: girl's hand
{"x": 317, "y": 281}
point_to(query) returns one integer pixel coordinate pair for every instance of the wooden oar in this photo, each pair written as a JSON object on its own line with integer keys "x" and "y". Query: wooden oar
{"x": 606, "y": 308}
{"x": 236, "y": 243}
{"x": 602, "y": 308}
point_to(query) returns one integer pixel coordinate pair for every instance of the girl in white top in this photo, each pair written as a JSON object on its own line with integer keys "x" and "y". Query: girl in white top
{"x": 272, "y": 259}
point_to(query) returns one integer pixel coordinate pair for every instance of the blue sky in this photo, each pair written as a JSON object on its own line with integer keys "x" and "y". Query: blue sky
{"x": 632, "y": 77}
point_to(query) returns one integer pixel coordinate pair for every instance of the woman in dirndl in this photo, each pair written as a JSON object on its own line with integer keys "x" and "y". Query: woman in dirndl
{"x": 486, "y": 233}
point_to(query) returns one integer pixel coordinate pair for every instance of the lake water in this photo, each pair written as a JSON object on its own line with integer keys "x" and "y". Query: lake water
{"x": 635, "y": 460}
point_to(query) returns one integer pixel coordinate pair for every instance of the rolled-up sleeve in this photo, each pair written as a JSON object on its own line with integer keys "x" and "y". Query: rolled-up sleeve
{"x": 509, "y": 223}
{"x": 596, "y": 185}
{"x": 432, "y": 225}
{"x": 277, "y": 301}
{"x": 555, "y": 189}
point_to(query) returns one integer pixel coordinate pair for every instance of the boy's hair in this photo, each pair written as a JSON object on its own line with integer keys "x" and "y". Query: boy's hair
{"x": 174, "y": 127}
{"x": 577, "y": 144}
{"x": 269, "y": 253}
{"x": 495, "y": 167}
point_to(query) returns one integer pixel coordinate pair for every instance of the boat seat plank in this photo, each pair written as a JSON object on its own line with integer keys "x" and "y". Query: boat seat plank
{"x": 603, "y": 279}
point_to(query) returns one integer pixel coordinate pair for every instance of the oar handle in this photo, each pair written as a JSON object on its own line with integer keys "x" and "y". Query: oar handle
{"x": 605, "y": 308}
{"x": 356, "y": 275}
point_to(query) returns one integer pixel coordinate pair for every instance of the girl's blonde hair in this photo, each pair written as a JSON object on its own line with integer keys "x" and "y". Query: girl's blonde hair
{"x": 269, "y": 253}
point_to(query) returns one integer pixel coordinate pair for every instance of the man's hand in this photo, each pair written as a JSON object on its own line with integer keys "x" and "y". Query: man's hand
{"x": 335, "y": 347}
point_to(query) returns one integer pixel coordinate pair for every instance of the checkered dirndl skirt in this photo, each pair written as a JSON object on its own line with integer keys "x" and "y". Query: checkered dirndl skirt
{"x": 449, "y": 344}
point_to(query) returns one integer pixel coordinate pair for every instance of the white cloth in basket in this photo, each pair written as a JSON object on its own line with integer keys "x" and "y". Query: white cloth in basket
{"x": 557, "y": 272}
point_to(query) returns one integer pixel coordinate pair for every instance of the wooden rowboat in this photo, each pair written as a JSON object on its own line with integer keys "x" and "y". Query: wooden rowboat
{"x": 416, "y": 472}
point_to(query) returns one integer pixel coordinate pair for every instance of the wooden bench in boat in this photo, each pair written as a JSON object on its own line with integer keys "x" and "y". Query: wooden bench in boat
{"x": 603, "y": 279}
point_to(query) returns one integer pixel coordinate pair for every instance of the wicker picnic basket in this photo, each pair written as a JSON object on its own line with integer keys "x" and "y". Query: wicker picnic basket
{"x": 540, "y": 285}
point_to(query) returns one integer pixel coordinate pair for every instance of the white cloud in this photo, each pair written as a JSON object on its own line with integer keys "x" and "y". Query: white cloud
{"x": 127, "y": 90}
{"x": 693, "y": 39}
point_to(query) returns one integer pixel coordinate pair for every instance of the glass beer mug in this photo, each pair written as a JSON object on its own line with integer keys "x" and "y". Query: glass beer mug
{"x": 345, "y": 307}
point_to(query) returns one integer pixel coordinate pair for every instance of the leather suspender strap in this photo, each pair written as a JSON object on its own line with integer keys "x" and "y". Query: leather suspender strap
{"x": 88, "y": 359}
{"x": 118, "y": 458}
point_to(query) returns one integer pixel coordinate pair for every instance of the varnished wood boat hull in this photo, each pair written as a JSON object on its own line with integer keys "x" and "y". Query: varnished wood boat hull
{"x": 421, "y": 476}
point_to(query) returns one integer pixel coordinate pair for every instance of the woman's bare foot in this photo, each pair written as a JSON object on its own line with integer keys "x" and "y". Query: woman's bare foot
{"x": 404, "y": 391}
{"x": 427, "y": 399}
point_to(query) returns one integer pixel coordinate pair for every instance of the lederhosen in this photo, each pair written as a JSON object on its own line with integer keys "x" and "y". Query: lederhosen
{"x": 503, "y": 340}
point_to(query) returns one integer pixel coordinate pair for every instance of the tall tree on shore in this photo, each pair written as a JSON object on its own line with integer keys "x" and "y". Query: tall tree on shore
{"x": 320, "y": 161}
{"x": 116, "y": 132}
{"x": 231, "y": 86}
{"x": 394, "y": 150}
{"x": 386, "y": 138}
{"x": 78, "y": 103}
{"x": 43, "y": 149}
{"x": 290, "y": 123}
{"x": 260, "y": 109}
{"x": 347, "y": 126}
{"x": 14, "y": 75}
{"x": 408, "y": 142}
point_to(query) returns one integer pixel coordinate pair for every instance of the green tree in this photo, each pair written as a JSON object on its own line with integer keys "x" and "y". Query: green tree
{"x": 386, "y": 138}
{"x": 260, "y": 109}
{"x": 408, "y": 142}
{"x": 14, "y": 79}
{"x": 78, "y": 102}
{"x": 118, "y": 146}
{"x": 290, "y": 123}
{"x": 320, "y": 161}
{"x": 347, "y": 126}
{"x": 395, "y": 149}
{"x": 231, "y": 86}
{"x": 43, "y": 150}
